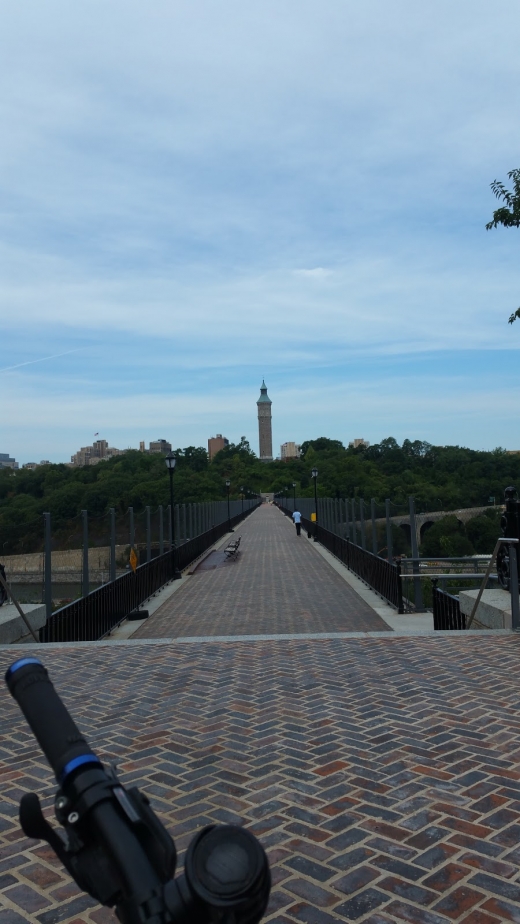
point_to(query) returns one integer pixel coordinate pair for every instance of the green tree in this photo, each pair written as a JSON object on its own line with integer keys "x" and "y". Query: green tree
{"x": 446, "y": 539}
{"x": 507, "y": 215}
{"x": 484, "y": 531}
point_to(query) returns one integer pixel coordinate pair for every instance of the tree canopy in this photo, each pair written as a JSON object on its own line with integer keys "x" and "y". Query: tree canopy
{"x": 439, "y": 477}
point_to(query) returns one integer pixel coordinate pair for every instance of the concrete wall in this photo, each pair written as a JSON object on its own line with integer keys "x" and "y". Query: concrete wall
{"x": 70, "y": 560}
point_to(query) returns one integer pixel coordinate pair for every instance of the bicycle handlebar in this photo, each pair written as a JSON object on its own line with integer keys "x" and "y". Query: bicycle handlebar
{"x": 116, "y": 848}
{"x": 49, "y": 720}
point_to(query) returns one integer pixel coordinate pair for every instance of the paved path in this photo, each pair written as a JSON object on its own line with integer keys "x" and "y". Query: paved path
{"x": 381, "y": 774}
{"x": 278, "y": 585}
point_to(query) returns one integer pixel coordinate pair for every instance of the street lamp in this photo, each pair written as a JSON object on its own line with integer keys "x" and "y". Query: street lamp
{"x": 228, "y": 485}
{"x": 314, "y": 474}
{"x": 170, "y": 464}
{"x": 294, "y": 496}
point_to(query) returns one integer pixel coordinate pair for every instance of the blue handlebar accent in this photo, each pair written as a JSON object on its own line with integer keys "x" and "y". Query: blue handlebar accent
{"x": 78, "y": 762}
{"x": 16, "y": 665}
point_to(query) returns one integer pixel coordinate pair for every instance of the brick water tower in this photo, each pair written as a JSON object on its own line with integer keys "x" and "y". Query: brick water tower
{"x": 265, "y": 436}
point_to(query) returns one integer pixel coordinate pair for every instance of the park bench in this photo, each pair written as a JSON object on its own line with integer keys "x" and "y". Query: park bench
{"x": 231, "y": 549}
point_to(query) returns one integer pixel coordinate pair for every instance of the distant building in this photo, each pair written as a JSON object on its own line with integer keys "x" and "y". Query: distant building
{"x": 355, "y": 444}
{"x": 216, "y": 443}
{"x": 7, "y": 462}
{"x": 265, "y": 434}
{"x": 289, "y": 451}
{"x": 32, "y": 465}
{"x": 99, "y": 451}
{"x": 161, "y": 446}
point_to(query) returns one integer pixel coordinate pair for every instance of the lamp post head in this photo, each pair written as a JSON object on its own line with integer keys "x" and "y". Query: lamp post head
{"x": 170, "y": 461}
{"x": 314, "y": 473}
{"x": 294, "y": 484}
{"x": 228, "y": 484}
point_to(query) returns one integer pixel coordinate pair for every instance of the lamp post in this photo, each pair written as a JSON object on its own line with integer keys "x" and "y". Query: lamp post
{"x": 314, "y": 474}
{"x": 228, "y": 485}
{"x": 170, "y": 464}
{"x": 294, "y": 496}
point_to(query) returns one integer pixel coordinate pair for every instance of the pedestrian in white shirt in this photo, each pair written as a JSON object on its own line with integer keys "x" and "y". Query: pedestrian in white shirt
{"x": 297, "y": 517}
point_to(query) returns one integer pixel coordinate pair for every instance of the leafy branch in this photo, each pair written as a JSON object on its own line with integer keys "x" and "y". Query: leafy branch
{"x": 508, "y": 215}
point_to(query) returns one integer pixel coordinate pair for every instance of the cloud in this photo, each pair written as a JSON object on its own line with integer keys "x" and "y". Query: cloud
{"x": 196, "y": 194}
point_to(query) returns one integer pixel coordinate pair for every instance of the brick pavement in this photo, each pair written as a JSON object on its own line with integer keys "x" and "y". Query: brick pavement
{"x": 382, "y": 774}
{"x": 277, "y": 585}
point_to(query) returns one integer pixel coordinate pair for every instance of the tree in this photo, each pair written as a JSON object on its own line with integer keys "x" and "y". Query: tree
{"x": 446, "y": 539}
{"x": 507, "y": 215}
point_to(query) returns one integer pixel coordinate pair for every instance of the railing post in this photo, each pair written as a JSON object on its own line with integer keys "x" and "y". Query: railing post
{"x": 400, "y": 607}
{"x": 85, "y": 581}
{"x": 161, "y": 531}
{"x": 418, "y": 601}
{"x": 112, "y": 544}
{"x": 389, "y": 546}
{"x": 374, "y": 530}
{"x": 148, "y": 535}
{"x": 346, "y": 531}
{"x": 362, "y": 522}
{"x": 354, "y": 530}
{"x": 47, "y": 565}
{"x": 176, "y": 519}
{"x": 132, "y": 527}
{"x": 513, "y": 585}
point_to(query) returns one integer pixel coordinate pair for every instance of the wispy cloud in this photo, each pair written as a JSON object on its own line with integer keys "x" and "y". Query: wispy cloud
{"x": 196, "y": 195}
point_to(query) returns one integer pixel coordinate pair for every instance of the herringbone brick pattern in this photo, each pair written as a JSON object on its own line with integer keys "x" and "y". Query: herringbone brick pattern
{"x": 277, "y": 585}
{"x": 381, "y": 774}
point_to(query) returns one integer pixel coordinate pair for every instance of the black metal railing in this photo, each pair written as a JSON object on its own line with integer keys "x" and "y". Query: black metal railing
{"x": 92, "y": 617}
{"x": 382, "y": 576}
{"x": 447, "y": 614}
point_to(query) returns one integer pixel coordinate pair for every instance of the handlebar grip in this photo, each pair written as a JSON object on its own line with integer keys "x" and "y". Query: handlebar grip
{"x": 58, "y": 736}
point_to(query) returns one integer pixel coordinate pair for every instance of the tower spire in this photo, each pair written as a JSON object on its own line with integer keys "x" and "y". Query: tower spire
{"x": 265, "y": 436}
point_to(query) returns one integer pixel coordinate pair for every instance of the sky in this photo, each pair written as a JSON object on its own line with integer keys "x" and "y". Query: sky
{"x": 196, "y": 196}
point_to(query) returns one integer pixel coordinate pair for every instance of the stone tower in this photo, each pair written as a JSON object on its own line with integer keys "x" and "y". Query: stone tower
{"x": 265, "y": 436}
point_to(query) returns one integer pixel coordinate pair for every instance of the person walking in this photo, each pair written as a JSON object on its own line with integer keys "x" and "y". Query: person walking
{"x": 297, "y": 517}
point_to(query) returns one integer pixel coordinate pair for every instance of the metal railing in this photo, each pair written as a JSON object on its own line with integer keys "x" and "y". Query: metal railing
{"x": 92, "y": 617}
{"x": 382, "y": 576}
{"x": 447, "y": 614}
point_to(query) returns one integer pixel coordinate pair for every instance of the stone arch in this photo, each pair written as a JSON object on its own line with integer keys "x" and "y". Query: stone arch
{"x": 425, "y": 527}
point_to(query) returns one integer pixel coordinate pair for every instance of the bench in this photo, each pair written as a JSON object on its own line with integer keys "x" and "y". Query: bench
{"x": 231, "y": 549}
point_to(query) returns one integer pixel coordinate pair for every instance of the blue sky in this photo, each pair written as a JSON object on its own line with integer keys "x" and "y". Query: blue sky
{"x": 195, "y": 196}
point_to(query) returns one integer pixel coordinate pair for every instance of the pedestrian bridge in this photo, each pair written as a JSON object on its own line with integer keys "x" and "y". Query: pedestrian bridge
{"x": 379, "y": 768}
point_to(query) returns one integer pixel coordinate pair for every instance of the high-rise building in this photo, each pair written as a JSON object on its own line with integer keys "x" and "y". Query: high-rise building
{"x": 289, "y": 451}
{"x": 216, "y": 443}
{"x": 91, "y": 455}
{"x": 7, "y": 462}
{"x": 161, "y": 446}
{"x": 265, "y": 435}
{"x": 360, "y": 443}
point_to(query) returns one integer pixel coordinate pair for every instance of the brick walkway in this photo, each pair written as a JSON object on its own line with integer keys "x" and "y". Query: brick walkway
{"x": 382, "y": 774}
{"x": 278, "y": 585}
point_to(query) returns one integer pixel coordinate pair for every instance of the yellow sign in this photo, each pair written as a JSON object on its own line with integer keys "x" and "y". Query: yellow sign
{"x": 313, "y": 517}
{"x": 133, "y": 560}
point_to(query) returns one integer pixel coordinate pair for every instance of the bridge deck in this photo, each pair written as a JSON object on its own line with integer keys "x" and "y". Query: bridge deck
{"x": 382, "y": 774}
{"x": 277, "y": 585}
